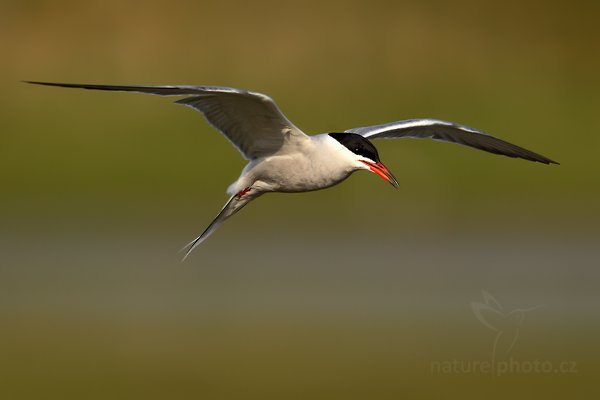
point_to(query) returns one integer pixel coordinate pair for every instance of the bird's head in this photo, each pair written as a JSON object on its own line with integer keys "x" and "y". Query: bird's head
{"x": 364, "y": 155}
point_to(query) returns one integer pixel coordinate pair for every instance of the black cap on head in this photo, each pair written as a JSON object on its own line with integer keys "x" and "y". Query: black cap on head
{"x": 357, "y": 144}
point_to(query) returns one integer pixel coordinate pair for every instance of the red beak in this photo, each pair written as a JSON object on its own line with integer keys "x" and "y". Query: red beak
{"x": 382, "y": 171}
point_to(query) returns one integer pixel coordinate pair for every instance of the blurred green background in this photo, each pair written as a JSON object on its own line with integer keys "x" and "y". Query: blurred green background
{"x": 351, "y": 293}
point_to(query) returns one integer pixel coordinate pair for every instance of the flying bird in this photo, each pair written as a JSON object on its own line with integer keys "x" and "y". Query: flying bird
{"x": 282, "y": 158}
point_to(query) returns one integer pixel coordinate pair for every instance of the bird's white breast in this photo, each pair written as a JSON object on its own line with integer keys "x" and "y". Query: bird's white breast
{"x": 310, "y": 165}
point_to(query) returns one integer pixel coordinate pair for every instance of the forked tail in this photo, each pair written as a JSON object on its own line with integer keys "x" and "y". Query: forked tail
{"x": 233, "y": 205}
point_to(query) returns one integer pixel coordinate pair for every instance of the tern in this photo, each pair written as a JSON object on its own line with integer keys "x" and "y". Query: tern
{"x": 282, "y": 158}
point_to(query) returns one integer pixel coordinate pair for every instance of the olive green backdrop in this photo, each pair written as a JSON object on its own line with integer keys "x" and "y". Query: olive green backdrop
{"x": 359, "y": 291}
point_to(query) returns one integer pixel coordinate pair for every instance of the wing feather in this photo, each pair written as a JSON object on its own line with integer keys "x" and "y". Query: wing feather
{"x": 448, "y": 132}
{"x": 251, "y": 121}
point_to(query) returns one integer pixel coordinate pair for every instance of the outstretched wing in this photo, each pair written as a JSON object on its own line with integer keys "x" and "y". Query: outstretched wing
{"x": 448, "y": 132}
{"x": 250, "y": 120}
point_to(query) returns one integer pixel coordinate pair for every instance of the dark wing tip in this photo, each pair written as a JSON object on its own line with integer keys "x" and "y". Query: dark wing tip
{"x": 38, "y": 83}
{"x": 82, "y": 86}
{"x": 552, "y": 162}
{"x": 161, "y": 90}
{"x": 52, "y": 84}
{"x": 529, "y": 156}
{"x": 537, "y": 158}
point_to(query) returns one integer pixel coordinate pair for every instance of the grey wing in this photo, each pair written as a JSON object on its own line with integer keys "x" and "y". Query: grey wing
{"x": 448, "y": 132}
{"x": 251, "y": 121}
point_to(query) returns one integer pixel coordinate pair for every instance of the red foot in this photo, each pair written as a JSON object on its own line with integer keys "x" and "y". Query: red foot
{"x": 243, "y": 192}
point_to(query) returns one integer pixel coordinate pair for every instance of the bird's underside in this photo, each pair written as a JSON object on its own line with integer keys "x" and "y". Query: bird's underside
{"x": 253, "y": 123}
